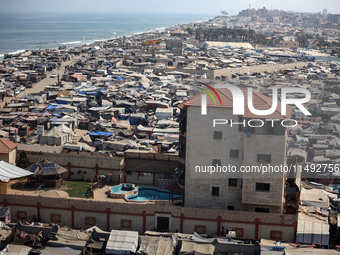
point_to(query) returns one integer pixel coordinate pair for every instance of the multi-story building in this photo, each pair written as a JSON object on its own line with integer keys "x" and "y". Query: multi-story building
{"x": 234, "y": 145}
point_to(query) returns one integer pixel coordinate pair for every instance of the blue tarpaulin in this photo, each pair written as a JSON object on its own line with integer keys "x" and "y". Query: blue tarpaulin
{"x": 60, "y": 101}
{"x": 51, "y": 106}
{"x": 119, "y": 78}
{"x": 100, "y": 133}
{"x": 108, "y": 64}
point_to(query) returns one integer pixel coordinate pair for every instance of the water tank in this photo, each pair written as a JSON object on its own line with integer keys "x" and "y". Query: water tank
{"x": 40, "y": 130}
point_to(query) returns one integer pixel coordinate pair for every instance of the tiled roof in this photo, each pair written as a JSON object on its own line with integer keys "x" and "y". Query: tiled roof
{"x": 260, "y": 102}
{"x": 6, "y": 145}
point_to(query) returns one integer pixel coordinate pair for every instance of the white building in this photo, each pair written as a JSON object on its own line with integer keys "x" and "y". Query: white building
{"x": 202, "y": 144}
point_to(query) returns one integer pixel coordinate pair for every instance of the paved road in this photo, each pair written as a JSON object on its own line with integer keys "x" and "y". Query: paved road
{"x": 40, "y": 86}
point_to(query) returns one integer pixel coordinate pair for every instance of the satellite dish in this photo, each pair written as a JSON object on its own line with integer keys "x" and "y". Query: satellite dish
{"x": 248, "y": 134}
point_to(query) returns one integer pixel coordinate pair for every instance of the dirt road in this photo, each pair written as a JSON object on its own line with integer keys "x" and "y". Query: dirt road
{"x": 40, "y": 86}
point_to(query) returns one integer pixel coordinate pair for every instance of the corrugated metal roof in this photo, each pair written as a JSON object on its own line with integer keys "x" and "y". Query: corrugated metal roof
{"x": 9, "y": 171}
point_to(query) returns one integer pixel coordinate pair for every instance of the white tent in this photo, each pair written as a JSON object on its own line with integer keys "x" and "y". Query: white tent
{"x": 122, "y": 242}
{"x": 9, "y": 171}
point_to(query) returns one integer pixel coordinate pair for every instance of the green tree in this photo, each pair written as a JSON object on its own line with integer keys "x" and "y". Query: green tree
{"x": 190, "y": 31}
{"x": 23, "y": 160}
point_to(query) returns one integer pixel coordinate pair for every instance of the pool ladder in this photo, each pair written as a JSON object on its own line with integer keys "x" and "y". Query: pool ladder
{"x": 154, "y": 198}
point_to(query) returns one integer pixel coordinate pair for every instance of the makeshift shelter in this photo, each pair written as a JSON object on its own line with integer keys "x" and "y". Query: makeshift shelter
{"x": 55, "y": 136}
{"x": 46, "y": 173}
{"x": 65, "y": 237}
{"x": 18, "y": 250}
{"x": 59, "y": 251}
{"x": 196, "y": 248}
{"x": 153, "y": 245}
{"x": 122, "y": 242}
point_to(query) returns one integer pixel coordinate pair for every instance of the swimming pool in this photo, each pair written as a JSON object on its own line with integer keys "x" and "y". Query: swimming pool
{"x": 150, "y": 193}
{"x": 120, "y": 190}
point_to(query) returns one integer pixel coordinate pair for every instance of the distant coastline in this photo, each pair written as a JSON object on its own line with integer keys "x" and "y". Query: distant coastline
{"x": 34, "y": 32}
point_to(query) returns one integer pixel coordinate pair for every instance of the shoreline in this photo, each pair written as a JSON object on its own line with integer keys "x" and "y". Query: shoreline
{"x": 79, "y": 43}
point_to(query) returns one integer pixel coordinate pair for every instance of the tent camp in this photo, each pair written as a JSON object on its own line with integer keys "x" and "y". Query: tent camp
{"x": 122, "y": 242}
{"x": 196, "y": 248}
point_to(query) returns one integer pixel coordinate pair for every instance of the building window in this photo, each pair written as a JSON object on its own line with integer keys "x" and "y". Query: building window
{"x": 215, "y": 191}
{"x": 231, "y": 208}
{"x": 216, "y": 162}
{"x": 218, "y": 135}
{"x": 232, "y": 182}
{"x": 264, "y": 158}
{"x": 261, "y": 186}
{"x": 262, "y": 210}
{"x": 233, "y": 153}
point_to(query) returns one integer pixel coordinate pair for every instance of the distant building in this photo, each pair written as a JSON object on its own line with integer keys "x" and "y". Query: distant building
{"x": 202, "y": 145}
{"x": 333, "y": 18}
{"x": 178, "y": 33}
{"x": 8, "y": 151}
{"x": 229, "y": 45}
{"x": 290, "y": 44}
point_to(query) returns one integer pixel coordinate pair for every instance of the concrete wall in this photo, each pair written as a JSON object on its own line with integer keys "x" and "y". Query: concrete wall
{"x": 10, "y": 157}
{"x": 83, "y": 165}
{"x": 109, "y": 215}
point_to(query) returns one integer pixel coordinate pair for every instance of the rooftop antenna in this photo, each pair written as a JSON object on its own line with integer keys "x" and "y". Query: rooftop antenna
{"x": 249, "y": 6}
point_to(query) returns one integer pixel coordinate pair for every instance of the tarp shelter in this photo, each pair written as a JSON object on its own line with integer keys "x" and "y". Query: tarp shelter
{"x": 59, "y": 251}
{"x": 196, "y": 248}
{"x": 9, "y": 171}
{"x": 100, "y": 133}
{"x": 312, "y": 230}
{"x": 154, "y": 245}
{"x": 18, "y": 250}
{"x": 65, "y": 237}
{"x": 122, "y": 242}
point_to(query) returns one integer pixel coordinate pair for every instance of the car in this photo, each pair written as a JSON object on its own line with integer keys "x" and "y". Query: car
{"x": 22, "y": 88}
{"x": 17, "y": 91}
{"x": 54, "y": 75}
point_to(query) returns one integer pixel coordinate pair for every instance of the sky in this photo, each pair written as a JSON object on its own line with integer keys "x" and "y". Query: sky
{"x": 213, "y": 7}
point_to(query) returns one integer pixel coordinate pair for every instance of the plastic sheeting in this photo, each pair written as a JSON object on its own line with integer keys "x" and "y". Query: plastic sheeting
{"x": 196, "y": 248}
{"x": 153, "y": 245}
{"x": 122, "y": 242}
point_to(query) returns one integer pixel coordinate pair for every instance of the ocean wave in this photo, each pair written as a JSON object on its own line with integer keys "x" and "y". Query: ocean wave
{"x": 74, "y": 42}
{"x": 16, "y": 52}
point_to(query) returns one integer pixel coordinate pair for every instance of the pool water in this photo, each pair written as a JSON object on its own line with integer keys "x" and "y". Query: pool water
{"x": 150, "y": 193}
{"x": 121, "y": 189}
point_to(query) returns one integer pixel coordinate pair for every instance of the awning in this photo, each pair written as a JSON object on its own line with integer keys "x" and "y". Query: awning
{"x": 9, "y": 171}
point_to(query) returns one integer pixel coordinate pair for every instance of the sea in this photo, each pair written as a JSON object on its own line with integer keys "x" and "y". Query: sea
{"x": 19, "y": 32}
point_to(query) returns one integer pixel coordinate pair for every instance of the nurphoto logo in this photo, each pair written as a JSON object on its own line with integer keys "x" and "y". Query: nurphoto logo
{"x": 239, "y": 102}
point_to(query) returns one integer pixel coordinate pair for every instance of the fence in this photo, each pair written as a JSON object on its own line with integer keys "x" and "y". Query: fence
{"x": 84, "y": 213}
